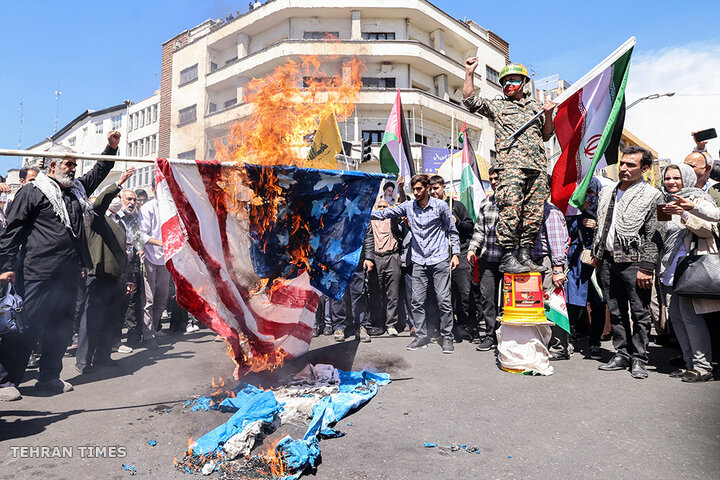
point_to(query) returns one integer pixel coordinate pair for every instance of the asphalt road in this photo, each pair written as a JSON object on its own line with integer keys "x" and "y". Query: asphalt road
{"x": 579, "y": 423}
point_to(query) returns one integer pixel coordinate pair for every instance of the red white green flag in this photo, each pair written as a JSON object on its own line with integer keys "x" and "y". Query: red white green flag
{"x": 556, "y": 309}
{"x": 395, "y": 154}
{"x": 589, "y": 124}
{"x": 470, "y": 176}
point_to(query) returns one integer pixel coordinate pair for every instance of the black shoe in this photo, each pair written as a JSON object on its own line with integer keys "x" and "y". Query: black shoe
{"x": 328, "y": 330}
{"x": 524, "y": 258}
{"x": 510, "y": 264}
{"x": 375, "y": 331}
{"x": 693, "y": 376}
{"x": 554, "y": 357}
{"x": 594, "y": 353}
{"x": 618, "y": 362}
{"x": 637, "y": 370}
{"x": 417, "y": 344}
{"x": 679, "y": 373}
{"x": 316, "y": 331}
{"x": 448, "y": 346}
{"x": 486, "y": 344}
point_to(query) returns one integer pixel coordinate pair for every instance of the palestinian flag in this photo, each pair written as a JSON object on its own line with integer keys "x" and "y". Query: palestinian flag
{"x": 395, "y": 154}
{"x": 556, "y": 309}
{"x": 589, "y": 124}
{"x": 470, "y": 177}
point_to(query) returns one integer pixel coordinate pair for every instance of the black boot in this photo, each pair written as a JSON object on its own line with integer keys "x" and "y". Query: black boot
{"x": 510, "y": 264}
{"x": 524, "y": 258}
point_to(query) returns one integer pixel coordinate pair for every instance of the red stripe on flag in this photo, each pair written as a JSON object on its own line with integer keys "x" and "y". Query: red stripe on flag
{"x": 569, "y": 126}
{"x": 192, "y": 224}
{"x": 295, "y": 297}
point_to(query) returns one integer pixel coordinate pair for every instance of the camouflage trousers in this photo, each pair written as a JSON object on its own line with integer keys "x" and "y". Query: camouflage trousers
{"x": 520, "y": 200}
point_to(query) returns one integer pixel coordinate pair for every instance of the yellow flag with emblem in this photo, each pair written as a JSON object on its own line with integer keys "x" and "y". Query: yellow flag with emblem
{"x": 326, "y": 145}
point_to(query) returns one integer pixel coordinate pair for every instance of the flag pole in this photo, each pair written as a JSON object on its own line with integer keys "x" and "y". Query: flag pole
{"x": 452, "y": 159}
{"x": 577, "y": 86}
{"x": 101, "y": 158}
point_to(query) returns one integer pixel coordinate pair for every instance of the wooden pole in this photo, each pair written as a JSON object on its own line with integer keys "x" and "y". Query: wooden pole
{"x": 102, "y": 158}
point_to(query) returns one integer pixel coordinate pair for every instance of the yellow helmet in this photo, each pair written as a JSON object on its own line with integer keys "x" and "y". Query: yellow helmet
{"x": 514, "y": 68}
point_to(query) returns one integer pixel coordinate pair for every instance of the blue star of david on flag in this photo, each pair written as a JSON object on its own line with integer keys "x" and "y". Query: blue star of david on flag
{"x": 323, "y": 212}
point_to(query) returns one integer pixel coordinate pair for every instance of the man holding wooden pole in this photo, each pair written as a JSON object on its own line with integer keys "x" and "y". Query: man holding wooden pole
{"x": 47, "y": 220}
{"x": 521, "y": 161}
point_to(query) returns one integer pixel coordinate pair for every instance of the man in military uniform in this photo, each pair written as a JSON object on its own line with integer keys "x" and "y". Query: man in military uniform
{"x": 521, "y": 161}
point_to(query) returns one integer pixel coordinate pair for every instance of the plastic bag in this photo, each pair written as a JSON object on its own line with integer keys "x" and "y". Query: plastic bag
{"x": 523, "y": 349}
{"x": 11, "y": 312}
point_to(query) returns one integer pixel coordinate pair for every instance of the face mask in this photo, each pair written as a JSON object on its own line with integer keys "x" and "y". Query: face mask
{"x": 511, "y": 87}
{"x": 115, "y": 205}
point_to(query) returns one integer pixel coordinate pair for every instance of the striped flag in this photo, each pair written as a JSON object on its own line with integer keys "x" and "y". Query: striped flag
{"x": 589, "y": 124}
{"x": 556, "y": 309}
{"x": 218, "y": 254}
{"x": 470, "y": 178}
{"x": 395, "y": 155}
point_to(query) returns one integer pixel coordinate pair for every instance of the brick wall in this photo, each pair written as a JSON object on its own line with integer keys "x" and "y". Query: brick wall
{"x": 166, "y": 79}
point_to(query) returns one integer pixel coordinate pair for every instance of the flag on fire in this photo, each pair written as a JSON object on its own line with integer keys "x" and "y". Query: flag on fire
{"x": 249, "y": 247}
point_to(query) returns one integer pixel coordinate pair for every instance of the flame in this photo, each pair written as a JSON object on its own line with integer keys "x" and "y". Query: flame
{"x": 275, "y": 461}
{"x": 284, "y": 107}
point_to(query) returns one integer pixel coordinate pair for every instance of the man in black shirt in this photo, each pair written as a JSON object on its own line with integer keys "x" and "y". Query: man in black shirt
{"x": 47, "y": 220}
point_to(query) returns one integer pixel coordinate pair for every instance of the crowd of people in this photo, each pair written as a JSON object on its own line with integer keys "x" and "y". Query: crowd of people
{"x": 86, "y": 267}
{"x": 428, "y": 269}
{"x": 94, "y": 265}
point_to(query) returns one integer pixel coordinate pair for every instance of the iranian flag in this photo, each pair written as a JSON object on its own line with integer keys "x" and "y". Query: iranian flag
{"x": 589, "y": 124}
{"x": 470, "y": 177}
{"x": 395, "y": 155}
{"x": 556, "y": 309}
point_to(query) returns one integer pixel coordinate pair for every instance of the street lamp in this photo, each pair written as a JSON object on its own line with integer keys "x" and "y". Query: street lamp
{"x": 650, "y": 97}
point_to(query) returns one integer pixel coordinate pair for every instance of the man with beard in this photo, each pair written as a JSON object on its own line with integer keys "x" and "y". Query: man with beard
{"x": 108, "y": 282}
{"x": 47, "y": 220}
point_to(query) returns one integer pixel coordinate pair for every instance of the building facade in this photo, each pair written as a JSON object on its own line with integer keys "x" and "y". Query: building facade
{"x": 411, "y": 45}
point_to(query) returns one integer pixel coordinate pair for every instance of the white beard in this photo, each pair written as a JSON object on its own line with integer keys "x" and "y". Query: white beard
{"x": 65, "y": 180}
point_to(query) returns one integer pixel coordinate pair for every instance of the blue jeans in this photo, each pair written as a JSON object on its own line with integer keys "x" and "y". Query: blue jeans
{"x": 439, "y": 276}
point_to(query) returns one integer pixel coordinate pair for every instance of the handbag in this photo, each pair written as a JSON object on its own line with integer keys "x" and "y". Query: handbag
{"x": 11, "y": 312}
{"x": 586, "y": 254}
{"x": 696, "y": 275}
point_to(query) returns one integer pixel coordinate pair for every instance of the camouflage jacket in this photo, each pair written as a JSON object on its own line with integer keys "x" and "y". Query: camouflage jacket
{"x": 525, "y": 151}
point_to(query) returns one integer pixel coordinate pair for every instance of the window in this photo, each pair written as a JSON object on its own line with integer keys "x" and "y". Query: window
{"x": 383, "y": 82}
{"x": 141, "y": 117}
{"x": 231, "y": 60}
{"x": 375, "y": 136}
{"x": 154, "y": 113}
{"x": 72, "y": 142}
{"x": 326, "y": 81}
{"x": 421, "y": 139}
{"x": 85, "y": 132}
{"x": 320, "y": 35}
{"x": 189, "y": 155}
{"x": 99, "y": 127}
{"x": 213, "y": 66}
{"x": 153, "y": 143}
{"x": 378, "y": 36}
{"x": 117, "y": 122}
{"x": 492, "y": 75}
{"x": 130, "y": 123}
{"x": 230, "y": 103}
{"x": 189, "y": 74}
{"x": 212, "y": 107}
{"x": 146, "y": 176}
{"x": 188, "y": 115}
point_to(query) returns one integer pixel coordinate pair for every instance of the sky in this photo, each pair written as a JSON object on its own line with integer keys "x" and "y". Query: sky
{"x": 101, "y": 53}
